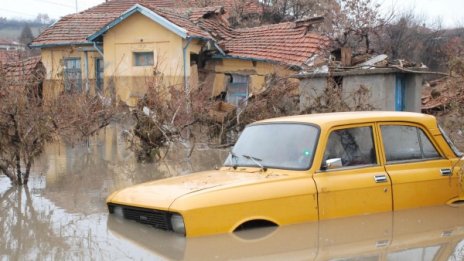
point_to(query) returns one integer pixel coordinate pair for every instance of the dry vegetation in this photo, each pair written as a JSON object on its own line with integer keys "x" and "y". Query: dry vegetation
{"x": 166, "y": 114}
{"x": 450, "y": 115}
{"x": 190, "y": 115}
{"x": 27, "y": 123}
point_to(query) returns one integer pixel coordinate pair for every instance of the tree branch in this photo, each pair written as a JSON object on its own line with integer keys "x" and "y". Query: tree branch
{"x": 5, "y": 170}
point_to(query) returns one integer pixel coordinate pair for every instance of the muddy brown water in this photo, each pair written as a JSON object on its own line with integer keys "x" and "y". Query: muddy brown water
{"x": 61, "y": 215}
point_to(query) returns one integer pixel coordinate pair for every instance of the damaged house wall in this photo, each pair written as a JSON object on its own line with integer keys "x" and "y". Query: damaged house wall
{"x": 389, "y": 89}
{"x": 256, "y": 72}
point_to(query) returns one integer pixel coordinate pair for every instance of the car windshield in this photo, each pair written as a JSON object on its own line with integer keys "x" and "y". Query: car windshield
{"x": 275, "y": 145}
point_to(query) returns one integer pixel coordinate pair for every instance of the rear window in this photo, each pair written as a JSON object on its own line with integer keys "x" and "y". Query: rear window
{"x": 407, "y": 143}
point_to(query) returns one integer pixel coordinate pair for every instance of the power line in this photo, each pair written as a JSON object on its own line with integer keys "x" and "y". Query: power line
{"x": 67, "y": 6}
{"x": 16, "y": 12}
{"x": 55, "y": 3}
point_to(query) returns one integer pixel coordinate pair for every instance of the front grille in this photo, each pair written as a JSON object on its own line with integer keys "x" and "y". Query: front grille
{"x": 156, "y": 218}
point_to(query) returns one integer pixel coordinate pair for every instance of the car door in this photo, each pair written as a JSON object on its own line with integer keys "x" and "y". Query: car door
{"x": 420, "y": 174}
{"x": 351, "y": 180}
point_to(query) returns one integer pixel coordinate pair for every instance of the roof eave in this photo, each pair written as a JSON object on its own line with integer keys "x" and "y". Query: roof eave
{"x": 227, "y": 56}
{"x": 198, "y": 37}
{"x": 360, "y": 72}
{"x": 60, "y": 44}
{"x": 181, "y": 32}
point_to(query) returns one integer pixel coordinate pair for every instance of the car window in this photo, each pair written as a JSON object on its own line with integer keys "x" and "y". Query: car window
{"x": 354, "y": 146}
{"x": 450, "y": 143}
{"x": 407, "y": 143}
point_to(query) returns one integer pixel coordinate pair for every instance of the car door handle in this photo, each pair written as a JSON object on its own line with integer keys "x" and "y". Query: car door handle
{"x": 380, "y": 178}
{"x": 382, "y": 243}
{"x": 446, "y": 172}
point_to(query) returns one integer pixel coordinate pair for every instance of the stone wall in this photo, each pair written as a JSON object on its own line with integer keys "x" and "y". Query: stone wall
{"x": 381, "y": 87}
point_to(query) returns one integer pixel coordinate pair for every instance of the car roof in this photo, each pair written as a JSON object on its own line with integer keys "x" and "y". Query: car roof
{"x": 328, "y": 120}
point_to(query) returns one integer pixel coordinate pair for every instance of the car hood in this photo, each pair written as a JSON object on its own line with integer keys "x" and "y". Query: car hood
{"x": 160, "y": 194}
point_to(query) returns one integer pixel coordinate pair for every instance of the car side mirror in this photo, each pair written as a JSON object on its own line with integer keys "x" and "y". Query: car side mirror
{"x": 332, "y": 164}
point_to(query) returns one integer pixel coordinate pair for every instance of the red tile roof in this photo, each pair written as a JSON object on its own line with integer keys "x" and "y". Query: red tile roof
{"x": 196, "y": 14}
{"x": 182, "y": 18}
{"x": 218, "y": 27}
{"x": 9, "y": 56}
{"x": 285, "y": 42}
{"x": 26, "y": 72}
{"x": 288, "y": 43}
{"x": 75, "y": 28}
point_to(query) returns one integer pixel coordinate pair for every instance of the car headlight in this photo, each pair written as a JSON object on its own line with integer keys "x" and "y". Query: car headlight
{"x": 177, "y": 223}
{"x": 118, "y": 212}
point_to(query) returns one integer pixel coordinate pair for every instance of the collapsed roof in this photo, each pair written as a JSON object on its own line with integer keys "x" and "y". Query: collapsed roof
{"x": 28, "y": 72}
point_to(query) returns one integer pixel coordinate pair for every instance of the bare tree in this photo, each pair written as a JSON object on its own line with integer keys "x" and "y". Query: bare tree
{"x": 408, "y": 37}
{"x": 78, "y": 116}
{"x": 43, "y": 18}
{"x": 25, "y": 127}
{"x": 356, "y": 23}
{"x": 276, "y": 11}
{"x": 162, "y": 116}
{"x": 27, "y": 123}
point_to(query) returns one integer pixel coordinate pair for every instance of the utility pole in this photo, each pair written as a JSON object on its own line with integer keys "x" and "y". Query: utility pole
{"x": 76, "y": 6}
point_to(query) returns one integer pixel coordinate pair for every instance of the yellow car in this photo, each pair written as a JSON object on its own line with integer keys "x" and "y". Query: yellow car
{"x": 305, "y": 168}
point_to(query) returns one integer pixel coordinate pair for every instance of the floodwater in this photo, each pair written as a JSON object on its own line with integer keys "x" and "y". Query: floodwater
{"x": 61, "y": 215}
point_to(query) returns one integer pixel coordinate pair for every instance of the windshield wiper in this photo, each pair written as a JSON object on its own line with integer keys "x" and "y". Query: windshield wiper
{"x": 234, "y": 158}
{"x": 255, "y": 160}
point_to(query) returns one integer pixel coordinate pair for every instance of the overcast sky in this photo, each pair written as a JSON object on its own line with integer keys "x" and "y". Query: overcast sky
{"x": 450, "y": 11}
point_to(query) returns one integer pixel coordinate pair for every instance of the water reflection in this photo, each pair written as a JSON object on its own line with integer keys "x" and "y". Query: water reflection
{"x": 435, "y": 233}
{"x": 62, "y": 215}
{"x": 90, "y": 172}
{"x": 22, "y": 226}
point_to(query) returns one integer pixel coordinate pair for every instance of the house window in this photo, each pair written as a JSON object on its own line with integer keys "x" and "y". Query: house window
{"x": 143, "y": 59}
{"x": 72, "y": 75}
{"x": 237, "y": 89}
{"x": 99, "y": 73}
